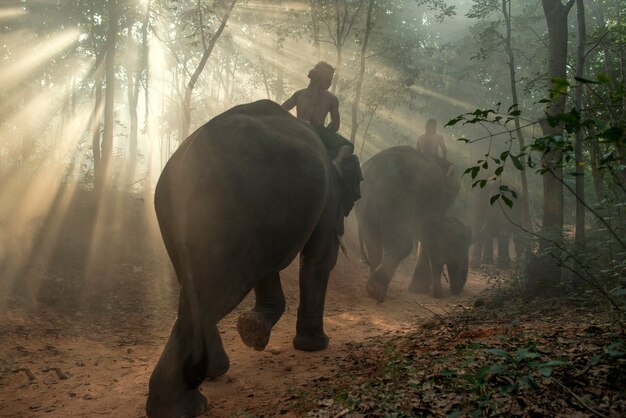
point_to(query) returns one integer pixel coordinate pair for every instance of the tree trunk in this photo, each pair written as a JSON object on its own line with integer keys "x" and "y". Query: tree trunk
{"x": 578, "y": 145}
{"x": 359, "y": 83}
{"x": 506, "y": 10}
{"x": 344, "y": 21}
{"x": 96, "y": 117}
{"x": 280, "y": 85}
{"x": 315, "y": 23}
{"x": 208, "y": 49}
{"x": 145, "y": 54}
{"x": 552, "y": 220}
{"x": 106, "y": 147}
{"x": 598, "y": 179}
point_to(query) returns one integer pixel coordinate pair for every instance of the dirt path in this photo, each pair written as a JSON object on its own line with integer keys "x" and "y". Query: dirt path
{"x": 67, "y": 365}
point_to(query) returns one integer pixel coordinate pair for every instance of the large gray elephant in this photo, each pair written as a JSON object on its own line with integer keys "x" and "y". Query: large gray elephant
{"x": 405, "y": 195}
{"x": 238, "y": 200}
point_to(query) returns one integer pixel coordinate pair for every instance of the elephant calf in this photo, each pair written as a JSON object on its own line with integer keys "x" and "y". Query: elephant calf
{"x": 453, "y": 242}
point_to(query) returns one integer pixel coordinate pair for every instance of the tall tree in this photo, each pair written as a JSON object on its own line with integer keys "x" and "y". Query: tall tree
{"x": 578, "y": 146}
{"x": 359, "y": 83}
{"x": 506, "y": 12}
{"x": 556, "y": 14}
{"x": 106, "y": 147}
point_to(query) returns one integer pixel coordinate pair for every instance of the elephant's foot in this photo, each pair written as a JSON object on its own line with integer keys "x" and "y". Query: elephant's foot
{"x": 455, "y": 290}
{"x": 190, "y": 404}
{"x": 376, "y": 291}
{"x": 419, "y": 287}
{"x": 254, "y": 330}
{"x": 437, "y": 293}
{"x": 310, "y": 342}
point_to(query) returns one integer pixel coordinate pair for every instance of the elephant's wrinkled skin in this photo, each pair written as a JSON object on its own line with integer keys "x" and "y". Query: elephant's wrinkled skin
{"x": 238, "y": 200}
{"x": 492, "y": 222}
{"x": 405, "y": 195}
{"x": 453, "y": 241}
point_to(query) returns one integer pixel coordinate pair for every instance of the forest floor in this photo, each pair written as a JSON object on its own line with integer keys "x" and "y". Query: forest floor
{"x": 85, "y": 342}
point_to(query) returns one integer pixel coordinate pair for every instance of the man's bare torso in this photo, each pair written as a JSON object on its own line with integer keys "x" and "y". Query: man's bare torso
{"x": 428, "y": 143}
{"x": 313, "y": 106}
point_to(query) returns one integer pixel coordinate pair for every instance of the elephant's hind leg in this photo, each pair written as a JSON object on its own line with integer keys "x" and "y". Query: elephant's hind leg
{"x": 317, "y": 259}
{"x": 256, "y": 325}
{"x": 177, "y": 375}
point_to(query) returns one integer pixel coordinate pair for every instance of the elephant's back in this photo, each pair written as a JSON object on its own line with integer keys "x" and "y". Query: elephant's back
{"x": 252, "y": 174}
{"x": 402, "y": 183}
{"x": 398, "y": 171}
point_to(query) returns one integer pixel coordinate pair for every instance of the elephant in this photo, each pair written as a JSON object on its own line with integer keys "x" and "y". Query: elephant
{"x": 494, "y": 222}
{"x": 453, "y": 241}
{"x": 404, "y": 197}
{"x": 236, "y": 202}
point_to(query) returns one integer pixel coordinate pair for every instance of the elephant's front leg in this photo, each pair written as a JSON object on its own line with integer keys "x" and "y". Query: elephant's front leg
{"x": 256, "y": 325}
{"x": 436, "y": 264}
{"x": 420, "y": 283}
{"x": 397, "y": 247}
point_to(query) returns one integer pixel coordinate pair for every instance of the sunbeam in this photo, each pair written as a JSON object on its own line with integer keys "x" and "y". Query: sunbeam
{"x": 25, "y": 61}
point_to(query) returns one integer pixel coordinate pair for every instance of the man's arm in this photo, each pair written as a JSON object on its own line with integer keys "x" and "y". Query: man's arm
{"x": 442, "y": 144}
{"x": 418, "y": 143}
{"x": 291, "y": 102}
{"x": 334, "y": 114}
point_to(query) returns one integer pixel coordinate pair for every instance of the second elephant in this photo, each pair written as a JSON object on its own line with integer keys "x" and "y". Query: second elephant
{"x": 405, "y": 195}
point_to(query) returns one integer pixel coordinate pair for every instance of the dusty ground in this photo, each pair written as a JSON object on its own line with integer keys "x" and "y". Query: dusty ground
{"x": 91, "y": 352}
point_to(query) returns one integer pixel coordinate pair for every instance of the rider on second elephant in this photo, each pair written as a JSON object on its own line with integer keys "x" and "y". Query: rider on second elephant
{"x": 430, "y": 142}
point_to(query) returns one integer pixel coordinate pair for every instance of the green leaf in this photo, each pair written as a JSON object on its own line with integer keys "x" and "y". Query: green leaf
{"x": 498, "y": 352}
{"x": 614, "y": 134}
{"x": 494, "y": 198}
{"x": 455, "y": 413}
{"x": 525, "y": 353}
{"x": 551, "y": 363}
{"x": 545, "y": 371}
{"x": 583, "y": 80}
{"x": 507, "y": 201}
{"x": 449, "y": 372}
{"x": 530, "y": 382}
{"x": 498, "y": 369}
{"x": 517, "y": 163}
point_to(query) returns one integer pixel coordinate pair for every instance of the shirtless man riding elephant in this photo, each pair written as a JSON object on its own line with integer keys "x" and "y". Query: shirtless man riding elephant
{"x": 313, "y": 104}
